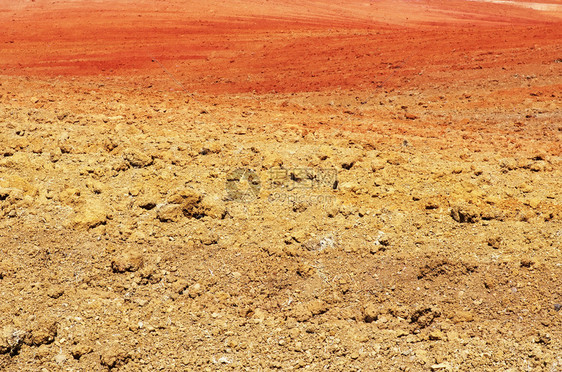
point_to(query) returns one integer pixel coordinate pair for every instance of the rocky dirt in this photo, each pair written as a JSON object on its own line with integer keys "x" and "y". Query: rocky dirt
{"x": 280, "y": 185}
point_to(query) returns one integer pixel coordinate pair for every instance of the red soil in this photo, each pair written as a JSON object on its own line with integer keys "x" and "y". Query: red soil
{"x": 287, "y": 46}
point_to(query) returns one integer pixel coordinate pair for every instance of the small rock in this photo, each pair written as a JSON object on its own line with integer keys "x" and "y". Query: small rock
{"x": 350, "y": 187}
{"x": 463, "y": 316}
{"x": 186, "y": 196}
{"x": 213, "y": 207}
{"x": 114, "y": 357}
{"x": 348, "y": 162}
{"x": 323, "y": 153}
{"x": 381, "y": 243}
{"x": 533, "y": 202}
{"x": 543, "y": 338}
{"x": 441, "y": 367}
{"x": 42, "y": 332}
{"x": 410, "y": 116}
{"x": 538, "y": 166}
{"x": 60, "y": 358}
{"x": 317, "y": 307}
{"x": 150, "y": 273}
{"x": 55, "y": 291}
{"x": 90, "y": 216}
{"x": 179, "y": 286}
{"x": 18, "y": 184}
{"x": 437, "y": 335}
{"x": 213, "y": 147}
{"x": 136, "y": 158}
{"x": 148, "y": 201}
{"x": 55, "y": 155}
{"x": 66, "y": 147}
{"x": 191, "y": 204}
{"x": 224, "y": 360}
{"x": 11, "y": 340}
{"x": 195, "y": 290}
{"x": 301, "y": 313}
{"x": 371, "y": 312}
{"x": 432, "y": 204}
{"x": 424, "y": 316}
{"x": 465, "y": 213}
{"x": 528, "y": 262}
{"x": 271, "y": 161}
{"x": 378, "y": 164}
{"x": 525, "y": 188}
{"x": 259, "y": 315}
{"x": 127, "y": 261}
{"x": 508, "y": 164}
{"x": 305, "y": 270}
{"x": 495, "y": 242}
{"x": 138, "y": 237}
{"x": 69, "y": 196}
{"x": 4, "y": 193}
{"x": 170, "y": 213}
{"x": 79, "y": 350}
{"x": 95, "y": 186}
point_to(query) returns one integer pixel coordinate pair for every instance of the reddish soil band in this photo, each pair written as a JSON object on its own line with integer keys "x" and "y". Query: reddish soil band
{"x": 283, "y": 47}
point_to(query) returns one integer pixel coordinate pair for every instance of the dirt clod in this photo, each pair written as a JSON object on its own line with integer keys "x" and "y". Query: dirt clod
{"x": 127, "y": 261}
{"x": 136, "y": 158}
{"x": 114, "y": 356}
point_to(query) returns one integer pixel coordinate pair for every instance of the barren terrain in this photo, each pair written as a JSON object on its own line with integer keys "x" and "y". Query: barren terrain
{"x": 278, "y": 185}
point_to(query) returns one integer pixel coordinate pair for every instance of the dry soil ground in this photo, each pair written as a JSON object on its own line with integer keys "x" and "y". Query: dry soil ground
{"x": 257, "y": 185}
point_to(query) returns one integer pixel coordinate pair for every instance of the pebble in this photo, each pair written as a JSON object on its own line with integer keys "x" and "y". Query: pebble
{"x": 441, "y": 367}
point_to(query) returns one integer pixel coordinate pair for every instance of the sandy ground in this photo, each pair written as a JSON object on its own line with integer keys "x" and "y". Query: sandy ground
{"x": 260, "y": 185}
